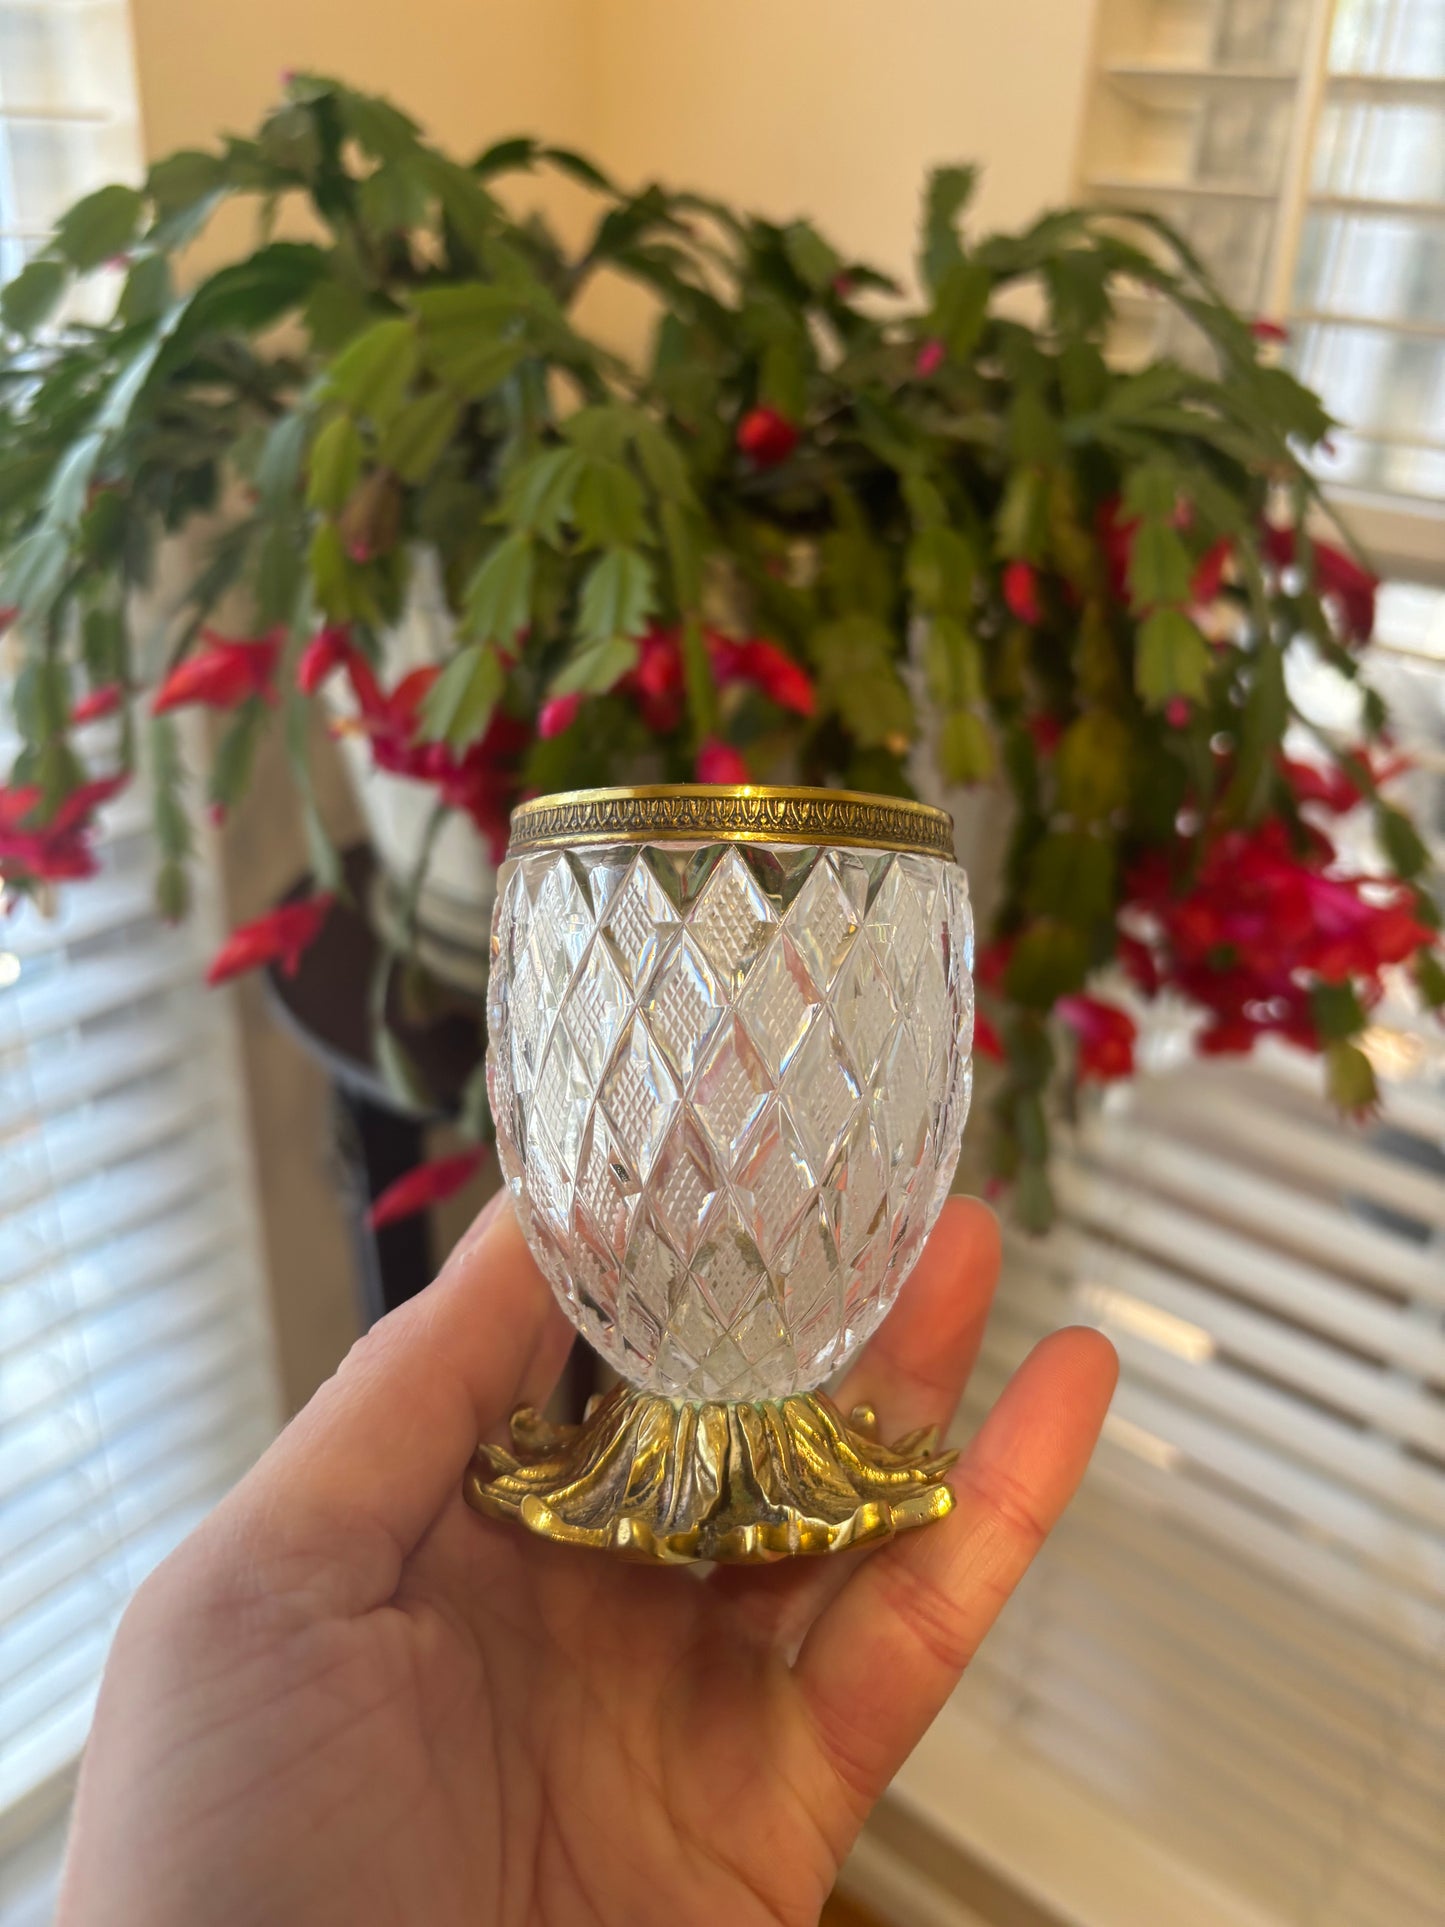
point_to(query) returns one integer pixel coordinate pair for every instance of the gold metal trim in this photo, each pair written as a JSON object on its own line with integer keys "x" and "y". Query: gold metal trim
{"x": 744, "y": 813}
{"x": 669, "y": 1481}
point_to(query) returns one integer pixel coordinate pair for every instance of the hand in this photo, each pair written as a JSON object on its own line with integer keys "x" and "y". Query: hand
{"x": 347, "y": 1698}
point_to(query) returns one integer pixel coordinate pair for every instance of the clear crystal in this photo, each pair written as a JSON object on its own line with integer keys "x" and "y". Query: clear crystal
{"x": 730, "y": 1084}
{"x": 682, "y": 1005}
{"x": 729, "y": 1091}
{"x": 638, "y": 1093}
{"x": 732, "y": 917}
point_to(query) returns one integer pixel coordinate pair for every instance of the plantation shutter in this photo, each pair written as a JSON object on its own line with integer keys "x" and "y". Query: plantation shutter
{"x": 1300, "y": 145}
{"x": 1367, "y": 294}
{"x": 67, "y": 113}
{"x": 136, "y": 1373}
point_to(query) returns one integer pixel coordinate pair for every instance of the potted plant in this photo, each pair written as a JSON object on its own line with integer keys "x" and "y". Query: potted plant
{"x": 818, "y": 532}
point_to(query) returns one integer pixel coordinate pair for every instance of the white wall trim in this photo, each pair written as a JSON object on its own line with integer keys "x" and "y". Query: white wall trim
{"x": 1057, "y": 1846}
{"x": 877, "y": 1876}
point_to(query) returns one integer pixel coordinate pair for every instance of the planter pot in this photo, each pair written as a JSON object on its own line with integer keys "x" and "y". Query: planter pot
{"x": 454, "y": 905}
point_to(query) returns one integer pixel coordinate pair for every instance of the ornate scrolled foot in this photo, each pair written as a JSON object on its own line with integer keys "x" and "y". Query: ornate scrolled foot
{"x": 670, "y": 1480}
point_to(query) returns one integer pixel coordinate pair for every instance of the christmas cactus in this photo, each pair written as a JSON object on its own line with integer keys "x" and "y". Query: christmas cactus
{"x": 820, "y": 532}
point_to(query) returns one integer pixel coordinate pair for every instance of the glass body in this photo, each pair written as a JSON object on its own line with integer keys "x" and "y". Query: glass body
{"x": 729, "y": 1083}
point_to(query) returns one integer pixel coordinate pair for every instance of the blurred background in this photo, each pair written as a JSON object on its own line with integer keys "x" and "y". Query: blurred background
{"x": 1220, "y": 1697}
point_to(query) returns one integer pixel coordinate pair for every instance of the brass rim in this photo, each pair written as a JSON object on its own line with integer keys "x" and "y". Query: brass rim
{"x": 742, "y": 813}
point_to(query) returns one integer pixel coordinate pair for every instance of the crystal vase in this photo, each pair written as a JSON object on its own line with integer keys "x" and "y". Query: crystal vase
{"x": 729, "y": 1067}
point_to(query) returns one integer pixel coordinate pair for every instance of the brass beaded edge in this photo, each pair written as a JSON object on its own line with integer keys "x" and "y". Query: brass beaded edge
{"x": 752, "y": 814}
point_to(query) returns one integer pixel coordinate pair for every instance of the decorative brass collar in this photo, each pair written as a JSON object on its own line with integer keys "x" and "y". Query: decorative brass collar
{"x": 744, "y": 813}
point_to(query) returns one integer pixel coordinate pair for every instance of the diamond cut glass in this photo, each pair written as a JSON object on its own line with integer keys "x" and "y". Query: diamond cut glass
{"x": 729, "y": 1077}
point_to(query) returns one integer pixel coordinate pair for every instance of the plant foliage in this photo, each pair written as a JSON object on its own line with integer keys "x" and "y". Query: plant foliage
{"x": 977, "y": 542}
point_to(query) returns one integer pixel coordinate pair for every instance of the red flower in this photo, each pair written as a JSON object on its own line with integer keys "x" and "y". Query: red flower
{"x": 399, "y": 717}
{"x": 1264, "y": 330}
{"x": 1352, "y": 589}
{"x": 1357, "y": 936}
{"x": 767, "y": 667}
{"x": 1340, "y": 580}
{"x": 657, "y": 680}
{"x": 104, "y": 701}
{"x": 1228, "y": 1037}
{"x": 58, "y": 849}
{"x": 1332, "y": 788}
{"x": 557, "y": 714}
{"x": 329, "y": 649}
{"x": 222, "y": 673}
{"x": 1264, "y": 922}
{"x": 16, "y": 805}
{"x": 1045, "y": 731}
{"x": 76, "y": 810}
{"x": 1116, "y": 539}
{"x": 1340, "y": 787}
{"x": 986, "y": 1040}
{"x": 721, "y": 763}
{"x": 1116, "y": 536}
{"x": 1177, "y": 712}
{"x": 1106, "y": 1036}
{"x": 484, "y": 780}
{"x": 991, "y": 965}
{"x": 1021, "y": 592}
{"x": 281, "y": 936}
{"x": 766, "y": 437}
{"x": 930, "y": 357}
{"x": 1208, "y": 576}
{"x": 1139, "y": 964}
{"x": 424, "y": 1185}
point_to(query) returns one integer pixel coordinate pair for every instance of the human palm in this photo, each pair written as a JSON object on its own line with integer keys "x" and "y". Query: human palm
{"x": 348, "y": 1698}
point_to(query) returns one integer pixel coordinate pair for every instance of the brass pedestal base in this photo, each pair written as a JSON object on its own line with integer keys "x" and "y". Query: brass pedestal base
{"x": 669, "y": 1481}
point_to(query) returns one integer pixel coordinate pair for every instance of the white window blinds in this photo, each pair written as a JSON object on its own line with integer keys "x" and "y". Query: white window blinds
{"x": 136, "y": 1378}
{"x": 136, "y": 1375}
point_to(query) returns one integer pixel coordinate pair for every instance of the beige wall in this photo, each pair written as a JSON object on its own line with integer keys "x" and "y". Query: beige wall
{"x": 837, "y": 107}
{"x": 468, "y": 69}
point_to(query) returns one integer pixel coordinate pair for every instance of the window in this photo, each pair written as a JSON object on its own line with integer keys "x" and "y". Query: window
{"x": 136, "y": 1380}
{"x": 1300, "y": 145}
{"x": 67, "y": 113}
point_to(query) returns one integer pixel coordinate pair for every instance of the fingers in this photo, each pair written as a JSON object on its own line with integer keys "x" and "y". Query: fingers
{"x": 885, "y": 1655}
{"x": 383, "y": 1445}
{"x": 912, "y": 1372}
